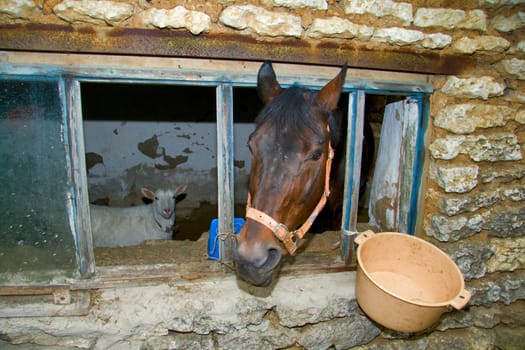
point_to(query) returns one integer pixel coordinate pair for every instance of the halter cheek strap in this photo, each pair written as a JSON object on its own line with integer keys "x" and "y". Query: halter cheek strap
{"x": 287, "y": 237}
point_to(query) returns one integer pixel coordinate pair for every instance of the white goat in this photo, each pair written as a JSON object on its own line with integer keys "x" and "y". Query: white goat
{"x": 118, "y": 227}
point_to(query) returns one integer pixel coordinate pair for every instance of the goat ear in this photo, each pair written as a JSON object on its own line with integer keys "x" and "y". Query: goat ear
{"x": 267, "y": 85}
{"x": 328, "y": 97}
{"x": 180, "y": 189}
{"x": 147, "y": 193}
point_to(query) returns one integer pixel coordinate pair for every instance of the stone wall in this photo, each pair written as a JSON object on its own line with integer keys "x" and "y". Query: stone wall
{"x": 473, "y": 205}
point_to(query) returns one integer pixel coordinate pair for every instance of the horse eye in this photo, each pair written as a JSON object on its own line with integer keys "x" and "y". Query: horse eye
{"x": 316, "y": 155}
{"x": 156, "y": 198}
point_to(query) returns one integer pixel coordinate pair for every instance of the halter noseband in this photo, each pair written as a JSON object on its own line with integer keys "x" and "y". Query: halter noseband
{"x": 287, "y": 237}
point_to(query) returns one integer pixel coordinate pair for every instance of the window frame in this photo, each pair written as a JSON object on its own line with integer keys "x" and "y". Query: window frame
{"x": 224, "y": 75}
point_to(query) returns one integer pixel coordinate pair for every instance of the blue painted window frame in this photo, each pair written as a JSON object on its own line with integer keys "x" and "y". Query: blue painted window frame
{"x": 71, "y": 76}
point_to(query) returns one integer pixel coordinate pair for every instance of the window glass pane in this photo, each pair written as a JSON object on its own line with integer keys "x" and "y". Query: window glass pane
{"x": 36, "y": 243}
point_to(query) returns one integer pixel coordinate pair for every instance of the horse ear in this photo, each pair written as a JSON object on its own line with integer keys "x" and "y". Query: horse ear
{"x": 328, "y": 97}
{"x": 267, "y": 85}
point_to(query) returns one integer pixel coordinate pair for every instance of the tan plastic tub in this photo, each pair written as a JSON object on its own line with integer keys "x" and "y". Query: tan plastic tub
{"x": 405, "y": 283}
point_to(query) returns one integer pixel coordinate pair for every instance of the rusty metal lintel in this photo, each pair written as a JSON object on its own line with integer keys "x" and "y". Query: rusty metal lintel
{"x": 154, "y": 42}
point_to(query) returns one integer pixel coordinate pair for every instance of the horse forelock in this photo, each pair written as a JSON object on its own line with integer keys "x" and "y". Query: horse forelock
{"x": 292, "y": 112}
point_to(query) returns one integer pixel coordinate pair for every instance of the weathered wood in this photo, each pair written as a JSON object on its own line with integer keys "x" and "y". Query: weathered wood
{"x": 391, "y": 188}
{"x": 79, "y": 212}
{"x": 199, "y": 71}
{"x": 151, "y": 42}
{"x": 30, "y": 289}
{"x": 44, "y": 305}
{"x": 412, "y": 116}
{"x": 356, "y": 115}
{"x": 225, "y": 181}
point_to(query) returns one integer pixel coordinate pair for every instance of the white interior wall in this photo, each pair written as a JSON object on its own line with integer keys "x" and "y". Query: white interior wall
{"x": 160, "y": 154}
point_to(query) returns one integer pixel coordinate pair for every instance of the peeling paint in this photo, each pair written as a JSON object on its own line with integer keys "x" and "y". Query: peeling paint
{"x": 239, "y": 164}
{"x": 172, "y": 162}
{"x": 93, "y": 159}
{"x": 149, "y": 147}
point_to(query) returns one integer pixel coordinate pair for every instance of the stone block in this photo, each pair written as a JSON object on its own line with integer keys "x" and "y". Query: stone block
{"x": 267, "y": 335}
{"x": 343, "y": 333}
{"x": 488, "y": 43}
{"x": 175, "y": 340}
{"x": 17, "y": 8}
{"x": 436, "y": 41}
{"x": 470, "y": 256}
{"x": 453, "y": 339}
{"x": 178, "y": 17}
{"x": 457, "y": 179}
{"x": 468, "y": 202}
{"x": 292, "y": 317}
{"x": 515, "y": 67}
{"x": 340, "y": 28}
{"x": 508, "y": 24}
{"x": 297, "y": 4}
{"x": 505, "y": 287}
{"x": 398, "y": 36}
{"x": 493, "y": 148}
{"x": 502, "y": 174}
{"x": 453, "y": 229}
{"x": 520, "y": 116}
{"x": 474, "y": 20}
{"x": 253, "y": 19}
{"x": 381, "y": 8}
{"x": 475, "y": 87}
{"x": 438, "y": 17}
{"x": 515, "y": 194}
{"x": 505, "y": 221}
{"x": 465, "y": 118}
{"x": 446, "y": 148}
{"x": 501, "y": 2}
{"x": 485, "y": 317}
{"x": 509, "y": 338}
{"x": 509, "y": 255}
{"x": 92, "y": 11}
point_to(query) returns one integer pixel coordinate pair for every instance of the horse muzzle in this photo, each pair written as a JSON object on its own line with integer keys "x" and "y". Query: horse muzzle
{"x": 258, "y": 266}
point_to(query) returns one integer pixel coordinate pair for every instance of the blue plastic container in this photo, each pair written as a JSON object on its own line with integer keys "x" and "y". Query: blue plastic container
{"x": 213, "y": 239}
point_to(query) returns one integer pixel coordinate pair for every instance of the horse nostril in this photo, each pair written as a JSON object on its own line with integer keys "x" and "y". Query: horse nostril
{"x": 274, "y": 258}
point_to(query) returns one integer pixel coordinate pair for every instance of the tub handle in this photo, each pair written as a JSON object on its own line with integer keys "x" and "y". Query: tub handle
{"x": 461, "y": 300}
{"x": 363, "y": 237}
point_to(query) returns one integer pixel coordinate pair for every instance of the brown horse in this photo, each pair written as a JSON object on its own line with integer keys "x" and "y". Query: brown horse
{"x": 289, "y": 178}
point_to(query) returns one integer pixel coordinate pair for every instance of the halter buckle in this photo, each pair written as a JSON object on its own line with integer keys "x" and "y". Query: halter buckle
{"x": 290, "y": 242}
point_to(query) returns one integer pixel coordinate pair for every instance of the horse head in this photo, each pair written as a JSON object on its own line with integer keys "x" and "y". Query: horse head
{"x": 288, "y": 184}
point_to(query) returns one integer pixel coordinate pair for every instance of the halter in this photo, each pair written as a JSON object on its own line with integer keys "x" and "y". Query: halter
{"x": 287, "y": 237}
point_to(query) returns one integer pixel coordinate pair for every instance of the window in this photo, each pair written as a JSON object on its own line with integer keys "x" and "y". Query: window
{"x": 36, "y": 241}
{"x": 101, "y": 128}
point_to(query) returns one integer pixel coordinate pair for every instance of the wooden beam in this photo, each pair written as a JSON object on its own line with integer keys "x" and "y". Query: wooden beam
{"x": 41, "y": 305}
{"x": 153, "y": 42}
